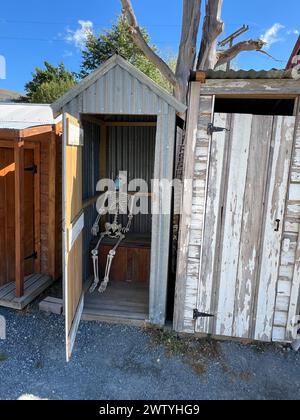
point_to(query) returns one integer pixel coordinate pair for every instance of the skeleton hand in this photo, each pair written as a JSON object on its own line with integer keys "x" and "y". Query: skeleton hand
{"x": 95, "y": 230}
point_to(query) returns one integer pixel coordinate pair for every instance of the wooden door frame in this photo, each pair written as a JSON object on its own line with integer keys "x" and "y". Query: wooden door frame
{"x": 18, "y": 145}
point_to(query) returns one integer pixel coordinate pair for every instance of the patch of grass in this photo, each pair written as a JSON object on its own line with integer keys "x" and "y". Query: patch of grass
{"x": 3, "y": 357}
{"x": 246, "y": 376}
{"x": 262, "y": 347}
{"x": 169, "y": 339}
{"x": 197, "y": 353}
{"x": 39, "y": 364}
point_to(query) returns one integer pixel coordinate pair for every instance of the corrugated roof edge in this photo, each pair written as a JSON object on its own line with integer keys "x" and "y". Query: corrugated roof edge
{"x": 249, "y": 74}
{"x": 103, "y": 69}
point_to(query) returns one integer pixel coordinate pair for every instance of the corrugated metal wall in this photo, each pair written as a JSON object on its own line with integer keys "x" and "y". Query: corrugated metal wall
{"x": 91, "y": 162}
{"x": 90, "y": 215}
{"x": 90, "y": 157}
{"x": 132, "y": 149}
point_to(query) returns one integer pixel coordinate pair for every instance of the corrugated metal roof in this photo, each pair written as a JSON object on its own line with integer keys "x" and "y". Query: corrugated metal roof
{"x": 249, "y": 74}
{"x": 120, "y": 88}
{"x": 21, "y": 116}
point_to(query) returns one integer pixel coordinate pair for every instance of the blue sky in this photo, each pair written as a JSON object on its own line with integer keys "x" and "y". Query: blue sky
{"x": 34, "y": 31}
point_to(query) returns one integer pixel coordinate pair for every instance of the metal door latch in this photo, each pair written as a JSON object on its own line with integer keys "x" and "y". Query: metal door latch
{"x": 277, "y": 225}
{"x": 211, "y": 129}
{"x": 32, "y": 169}
{"x": 32, "y": 257}
{"x": 197, "y": 314}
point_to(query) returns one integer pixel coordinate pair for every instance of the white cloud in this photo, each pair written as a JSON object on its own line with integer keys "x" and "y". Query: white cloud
{"x": 271, "y": 36}
{"x": 68, "y": 54}
{"x": 79, "y": 37}
{"x": 293, "y": 32}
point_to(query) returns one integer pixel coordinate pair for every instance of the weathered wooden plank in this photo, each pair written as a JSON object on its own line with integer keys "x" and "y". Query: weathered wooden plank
{"x": 250, "y": 87}
{"x": 278, "y": 334}
{"x": 294, "y": 192}
{"x": 240, "y": 138}
{"x": 293, "y": 210}
{"x": 284, "y": 287}
{"x": 163, "y": 170}
{"x": 261, "y": 136}
{"x": 271, "y": 247}
{"x": 296, "y": 158}
{"x": 19, "y": 218}
{"x": 34, "y": 286}
{"x": 293, "y": 310}
{"x": 185, "y": 288}
{"x": 295, "y": 175}
{"x": 217, "y": 160}
{"x": 280, "y": 319}
{"x": 291, "y": 226}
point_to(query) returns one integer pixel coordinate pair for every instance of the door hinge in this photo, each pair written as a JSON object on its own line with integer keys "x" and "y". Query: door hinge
{"x": 197, "y": 314}
{"x": 32, "y": 257}
{"x": 32, "y": 169}
{"x": 211, "y": 129}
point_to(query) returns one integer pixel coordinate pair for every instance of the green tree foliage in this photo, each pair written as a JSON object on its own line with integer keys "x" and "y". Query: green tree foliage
{"x": 118, "y": 40}
{"x": 49, "y": 84}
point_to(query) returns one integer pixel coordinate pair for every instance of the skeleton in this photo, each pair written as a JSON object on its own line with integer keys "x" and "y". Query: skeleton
{"x": 118, "y": 203}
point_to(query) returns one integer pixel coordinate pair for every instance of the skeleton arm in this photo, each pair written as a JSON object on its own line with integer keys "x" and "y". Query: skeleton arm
{"x": 101, "y": 212}
{"x": 131, "y": 202}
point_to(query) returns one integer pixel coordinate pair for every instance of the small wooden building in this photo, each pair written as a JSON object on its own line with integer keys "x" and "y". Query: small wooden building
{"x": 293, "y": 61}
{"x": 239, "y": 250}
{"x": 30, "y": 205}
{"x": 117, "y": 119}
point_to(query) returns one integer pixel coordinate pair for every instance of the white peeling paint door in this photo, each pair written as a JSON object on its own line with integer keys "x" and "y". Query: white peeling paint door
{"x": 246, "y": 200}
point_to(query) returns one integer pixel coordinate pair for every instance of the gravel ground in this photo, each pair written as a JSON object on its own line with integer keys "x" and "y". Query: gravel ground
{"x": 124, "y": 363}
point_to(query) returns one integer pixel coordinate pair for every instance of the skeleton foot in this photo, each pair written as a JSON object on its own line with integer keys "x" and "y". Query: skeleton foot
{"x": 94, "y": 286}
{"x": 103, "y": 286}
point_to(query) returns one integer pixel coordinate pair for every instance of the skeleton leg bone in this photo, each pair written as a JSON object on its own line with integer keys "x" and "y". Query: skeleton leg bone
{"x": 95, "y": 259}
{"x": 109, "y": 261}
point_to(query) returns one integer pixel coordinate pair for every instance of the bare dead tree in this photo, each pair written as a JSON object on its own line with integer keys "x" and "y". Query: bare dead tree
{"x": 212, "y": 29}
{"x": 208, "y": 57}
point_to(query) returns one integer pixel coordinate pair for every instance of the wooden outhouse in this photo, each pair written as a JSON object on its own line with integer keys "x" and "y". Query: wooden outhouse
{"x": 117, "y": 120}
{"x": 239, "y": 249}
{"x": 30, "y": 205}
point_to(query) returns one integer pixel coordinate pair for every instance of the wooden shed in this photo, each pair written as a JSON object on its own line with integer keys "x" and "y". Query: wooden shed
{"x": 30, "y": 215}
{"x": 117, "y": 119}
{"x": 238, "y": 264}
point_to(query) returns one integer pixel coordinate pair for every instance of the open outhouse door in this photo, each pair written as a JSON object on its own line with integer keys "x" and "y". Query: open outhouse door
{"x": 73, "y": 224}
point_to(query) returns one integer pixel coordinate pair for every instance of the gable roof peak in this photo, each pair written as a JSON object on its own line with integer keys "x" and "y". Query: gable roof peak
{"x": 117, "y": 60}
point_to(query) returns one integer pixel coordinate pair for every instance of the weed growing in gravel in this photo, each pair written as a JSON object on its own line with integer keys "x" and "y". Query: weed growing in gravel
{"x": 39, "y": 364}
{"x": 262, "y": 347}
{"x": 3, "y": 357}
{"x": 195, "y": 352}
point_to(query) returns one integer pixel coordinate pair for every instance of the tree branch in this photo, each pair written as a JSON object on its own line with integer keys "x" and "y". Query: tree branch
{"x": 252, "y": 45}
{"x": 141, "y": 43}
{"x": 188, "y": 46}
{"x": 212, "y": 28}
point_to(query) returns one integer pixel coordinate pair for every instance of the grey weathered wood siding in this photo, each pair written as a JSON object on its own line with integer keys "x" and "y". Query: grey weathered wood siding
{"x": 193, "y": 207}
{"x": 264, "y": 310}
{"x": 287, "y": 296}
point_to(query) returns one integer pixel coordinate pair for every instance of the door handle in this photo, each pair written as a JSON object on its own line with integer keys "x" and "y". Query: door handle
{"x": 277, "y": 225}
